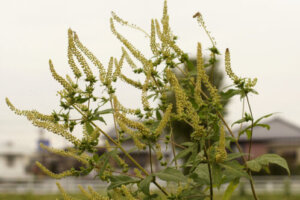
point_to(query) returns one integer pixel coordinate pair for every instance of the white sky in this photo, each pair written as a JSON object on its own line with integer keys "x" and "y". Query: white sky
{"x": 262, "y": 35}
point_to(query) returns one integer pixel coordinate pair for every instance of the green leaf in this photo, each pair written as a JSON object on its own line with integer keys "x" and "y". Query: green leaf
{"x": 101, "y": 119}
{"x": 183, "y": 153}
{"x": 239, "y": 121}
{"x": 117, "y": 181}
{"x": 216, "y": 175}
{"x": 158, "y": 115}
{"x": 89, "y": 128}
{"x": 263, "y": 117}
{"x": 234, "y": 170}
{"x": 203, "y": 174}
{"x": 187, "y": 144}
{"x": 103, "y": 166}
{"x": 233, "y": 156}
{"x": 229, "y": 93}
{"x": 230, "y": 189}
{"x": 170, "y": 174}
{"x": 266, "y": 126}
{"x": 106, "y": 111}
{"x": 263, "y": 161}
{"x": 144, "y": 185}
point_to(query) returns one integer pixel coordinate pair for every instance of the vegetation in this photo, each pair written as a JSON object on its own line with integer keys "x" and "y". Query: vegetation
{"x": 210, "y": 161}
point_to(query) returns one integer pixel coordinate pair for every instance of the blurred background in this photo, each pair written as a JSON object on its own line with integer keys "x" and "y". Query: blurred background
{"x": 262, "y": 35}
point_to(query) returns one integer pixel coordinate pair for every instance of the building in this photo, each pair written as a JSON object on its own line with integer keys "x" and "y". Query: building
{"x": 283, "y": 139}
{"x": 13, "y": 162}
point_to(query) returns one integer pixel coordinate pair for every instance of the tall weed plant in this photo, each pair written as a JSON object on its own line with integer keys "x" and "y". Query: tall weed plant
{"x": 210, "y": 160}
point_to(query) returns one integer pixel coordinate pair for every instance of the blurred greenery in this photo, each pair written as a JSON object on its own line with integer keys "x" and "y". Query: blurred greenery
{"x": 217, "y": 197}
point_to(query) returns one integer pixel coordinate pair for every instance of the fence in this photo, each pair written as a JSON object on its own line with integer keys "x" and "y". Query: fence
{"x": 270, "y": 184}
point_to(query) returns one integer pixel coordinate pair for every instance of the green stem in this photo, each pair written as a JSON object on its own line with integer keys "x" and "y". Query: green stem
{"x": 252, "y": 122}
{"x": 150, "y": 158}
{"x": 211, "y": 189}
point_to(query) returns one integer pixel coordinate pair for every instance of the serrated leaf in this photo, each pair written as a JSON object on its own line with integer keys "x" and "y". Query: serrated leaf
{"x": 234, "y": 169}
{"x": 117, "y": 181}
{"x": 144, "y": 185}
{"x": 202, "y": 172}
{"x": 171, "y": 174}
{"x": 216, "y": 175}
{"x": 262, "y": 161}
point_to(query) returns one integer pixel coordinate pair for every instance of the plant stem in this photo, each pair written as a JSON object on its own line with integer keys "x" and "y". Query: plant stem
{"x": 173, "y": 146}
{"x": 252, "y": 121}
{"x": 116, "y": 130}
{"x": 211, "y": 189}
{"x": 150, "y": 158}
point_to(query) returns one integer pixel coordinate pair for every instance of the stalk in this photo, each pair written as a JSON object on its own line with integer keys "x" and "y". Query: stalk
{"x": 150, "y": 158}
{"x": 211, "y": 189}
{"x": 252, "y": 122}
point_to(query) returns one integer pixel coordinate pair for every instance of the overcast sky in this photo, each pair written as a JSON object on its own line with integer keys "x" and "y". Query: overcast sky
{"x": 263, "y": 37}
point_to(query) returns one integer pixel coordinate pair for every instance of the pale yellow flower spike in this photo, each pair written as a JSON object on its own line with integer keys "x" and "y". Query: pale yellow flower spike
{"x": 96, "y": 195}
{"x": 221, "y": 154}
{"x": 134, "y": 83}
{"x": 36, "y": 114}
{"x": 165, "y": 20}
{"x": 134, "y": 124}
{"x": 128, "y": 59}
{"x": 197, "y": 91}
{"x": 81, "y": 158}
{"x": 153, "y": 44}
{"x": 85, "y": 193}
{"x": 179, "y": 93}
{"x": 55, "y": 128}
{"x": 80, "y": 58}
{"x": 120, "y": 107}
{"x": 158, "y": 31}
{"x": 164, "y": 121}
{"x": 62, "y": 191}
{"x": 92, "y": 57}
{"x": 118, "y": 65}
{"x": 136, "y": 53}
{"x": 53, "y": 175}
{"x": 71, "y": 61}
{"x": 228, "y": 69}
{"x": 138, "y": 173}
{"x": 127, "y": 193}
{"x": 145, "y": 101}
{"x": 125, "y": 23}
{"x": 211, "y": 88}
{"x": 60, "y": 79}
{"x": 108, "y": 77}
{"x": 202, "y": 23}
{"x": 135, "y": 136}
